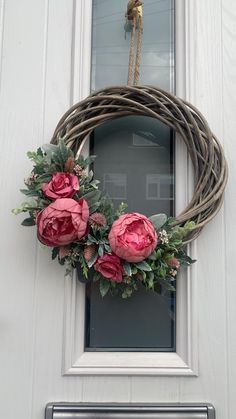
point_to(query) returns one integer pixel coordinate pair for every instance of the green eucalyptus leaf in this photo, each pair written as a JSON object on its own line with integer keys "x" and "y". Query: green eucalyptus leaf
{"x": 158, "y": 254}
{"x": 134, "y": 270}
{"x": 93, "y": 259}
{"x": 144, "y": 275}
{"x": 26, "y": 206}
{"x": 104, "y": 286}
{"x": 150, "y": 276}
{"x": 150, "y": 280}
{"x": 49, "y": 148}
{"x": 60, "y": 153}
{"x": 158, "y": 220}
{"x": 189, "y": 226}
{"x": 92, "y": 198}
{"x": 55, "y": 252}
{"x": 153, "y": 256}
{"x": 96, "y": 277}
{"x": 65, "y": 151}
{"x": 121, "y": 209}
{"x": 40, "y": 152}
{"x": 89, "y": 160}
{"x": 186, "y": 260}
{"x": 166, "y": 285}
{"x": 143, "y": 266}
{"x": 101, "y": 250}
{"x": 91, "y": 239}
{"x": 93, "y": 208}
{"x": 127, "y": 269}
{"x": 94, "y": 183}
{"x": 35, "y": 157}
{"x": 161, "y": 272}
{"x": 127, "y": 293}
{"x": 90, "y": 176}
{"x": 29, "y": 192}
{"x": 28, "y": 222}
{"x": 107, "y": 248}
{"x": 46, "y": 177}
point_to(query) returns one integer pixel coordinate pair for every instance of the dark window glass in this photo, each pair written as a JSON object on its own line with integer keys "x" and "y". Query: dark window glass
{"x": 135, "y": 164}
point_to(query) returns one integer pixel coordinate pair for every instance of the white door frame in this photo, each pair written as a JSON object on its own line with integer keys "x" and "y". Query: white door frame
{"x": 185, "y": 360}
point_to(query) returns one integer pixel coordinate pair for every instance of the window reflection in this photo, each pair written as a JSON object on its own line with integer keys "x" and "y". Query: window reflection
{"x": 115, "y": 185}
{"x": 136, "y": 165}
{"x": 159, "y": 187}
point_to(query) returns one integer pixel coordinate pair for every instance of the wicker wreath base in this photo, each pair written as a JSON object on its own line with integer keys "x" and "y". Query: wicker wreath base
{"x": 209, "y": 164}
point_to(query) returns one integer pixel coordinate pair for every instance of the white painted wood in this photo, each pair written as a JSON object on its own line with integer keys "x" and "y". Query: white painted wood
{"x": 35, "y": 91}
{"x": 205, "y": 89}
{"x": 229, "y": 126}
{"x": 75, "y": 360}
{"x": 37, "y": 40}
{"x": 103, "y": 389}
{"x": 21, "y": 96}
{"x": 49, "y": 300}
{"x": 82, "y": 50}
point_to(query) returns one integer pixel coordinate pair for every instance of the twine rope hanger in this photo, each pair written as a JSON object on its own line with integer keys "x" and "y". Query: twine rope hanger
{"x": 134, "y": 16}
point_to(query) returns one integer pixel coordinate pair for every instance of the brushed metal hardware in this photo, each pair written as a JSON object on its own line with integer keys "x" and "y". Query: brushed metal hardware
{"x": 129, "y": 411}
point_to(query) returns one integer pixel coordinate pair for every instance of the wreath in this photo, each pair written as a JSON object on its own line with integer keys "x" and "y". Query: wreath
{"x": 120, "y": 250}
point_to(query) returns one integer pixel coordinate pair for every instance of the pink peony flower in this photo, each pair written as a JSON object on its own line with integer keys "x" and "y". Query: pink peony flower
{"x": 62, "y": 185}
{"x": 63, "y": 222}
{"x": 132, "y": 237}
{"x": 110, "y": 267}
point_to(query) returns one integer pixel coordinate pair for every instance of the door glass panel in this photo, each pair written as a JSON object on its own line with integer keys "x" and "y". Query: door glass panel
{"x": 135, "y": 164}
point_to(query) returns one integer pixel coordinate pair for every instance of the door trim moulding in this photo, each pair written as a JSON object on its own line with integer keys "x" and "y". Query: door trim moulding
{"x": 183, "y": 362}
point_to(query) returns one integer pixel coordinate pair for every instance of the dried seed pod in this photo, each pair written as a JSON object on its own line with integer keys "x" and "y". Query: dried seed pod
{"x": 89, "y": 252}
{"x": 97, "y": 220}
{"x": 69, "y": 164}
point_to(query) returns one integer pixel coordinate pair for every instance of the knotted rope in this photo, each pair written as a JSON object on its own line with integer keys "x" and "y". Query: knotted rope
{"x": 134, "y": 15}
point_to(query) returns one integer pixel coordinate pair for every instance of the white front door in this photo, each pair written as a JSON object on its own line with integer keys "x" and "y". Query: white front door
{"x": 45, "y": 67}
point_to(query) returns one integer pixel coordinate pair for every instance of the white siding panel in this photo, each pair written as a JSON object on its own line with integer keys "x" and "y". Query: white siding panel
{"x": 229, "y": 107}
{"x": 21, "y": 96}
{"x": 106, "y": 389}
{"x": 35, "y": 91}
{"x": 48, "y": 384}
{"x": 205, "y": 90}
{"x": 155, "y": 389}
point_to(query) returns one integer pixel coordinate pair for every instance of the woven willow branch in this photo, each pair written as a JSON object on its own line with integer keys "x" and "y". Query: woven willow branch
{"x": 209, "y": 164}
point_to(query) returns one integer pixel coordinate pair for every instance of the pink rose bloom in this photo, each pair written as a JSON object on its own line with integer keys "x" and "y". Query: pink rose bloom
{"x": 110, "y": 267}
{"x": 132, "y": 237}
{"x": 62, "y": 185}
{"x": 63, "y": 222}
